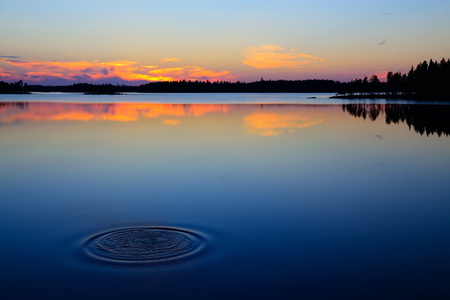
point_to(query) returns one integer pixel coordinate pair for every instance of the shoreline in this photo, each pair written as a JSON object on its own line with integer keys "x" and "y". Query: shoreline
{"x": 392, "y": 97}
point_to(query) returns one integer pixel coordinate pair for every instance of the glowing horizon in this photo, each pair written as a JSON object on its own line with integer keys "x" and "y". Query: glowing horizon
{"x": 127, "y": 71}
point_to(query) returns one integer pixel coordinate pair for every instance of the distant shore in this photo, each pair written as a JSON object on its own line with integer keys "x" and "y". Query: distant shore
{"x": 392, "y": 97}
{"x": 102, "y": 93}
{"x": 15, "y": 92}
{"x": 379, "y": 96}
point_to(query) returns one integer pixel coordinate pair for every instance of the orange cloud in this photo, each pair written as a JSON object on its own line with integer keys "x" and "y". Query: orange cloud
{"x": 273, "y": 124}
{"x": 198, "y": 72}
{"x": 84, "y": 71}
{"x": 274, "y": 56}
{"x": 171, "y": 71}
{"x": 170, "y": 59}
{"x": 191, "y": 73}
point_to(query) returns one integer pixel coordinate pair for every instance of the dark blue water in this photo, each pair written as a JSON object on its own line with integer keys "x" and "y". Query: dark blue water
{"x": 222, "y": 201}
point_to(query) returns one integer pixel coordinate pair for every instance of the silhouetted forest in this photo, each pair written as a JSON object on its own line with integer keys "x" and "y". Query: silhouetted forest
{"x": 183, "y": 86}
{"x": 262, "y": 86}
{"x": 424, "y": 119}
{"x": 87, "y": 88}
{"x": 429, "y": 80}
{"x": 13, "y": 88}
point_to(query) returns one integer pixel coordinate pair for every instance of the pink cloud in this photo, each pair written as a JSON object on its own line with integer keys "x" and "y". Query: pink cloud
{"x": 274, "y": 56}
{"x": 97, "y": 71}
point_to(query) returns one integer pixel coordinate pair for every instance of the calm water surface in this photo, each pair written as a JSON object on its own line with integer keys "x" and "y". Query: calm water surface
{"x": 139, "y": 200}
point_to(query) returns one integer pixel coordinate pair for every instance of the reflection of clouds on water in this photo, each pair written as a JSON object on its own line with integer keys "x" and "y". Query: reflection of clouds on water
{"x": 380, "y": 137}
{"x": 260, "y": 123}
{"x": 118, "y": 112}
{"x": 273, "y": 124}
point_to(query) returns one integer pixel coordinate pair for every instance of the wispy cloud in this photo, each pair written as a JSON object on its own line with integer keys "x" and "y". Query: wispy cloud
{"x": 113, "y": 71}
{"x": 274, "y": 56}
{"x": 169, "y": 59}
{"x": 382, "y": 43}
{"x": 9, "y": 56}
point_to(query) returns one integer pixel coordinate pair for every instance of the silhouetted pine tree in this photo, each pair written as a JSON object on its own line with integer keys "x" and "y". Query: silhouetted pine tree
{"x": 429, "y": 80}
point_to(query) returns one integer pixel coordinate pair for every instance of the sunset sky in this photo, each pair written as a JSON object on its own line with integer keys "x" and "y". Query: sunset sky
{"x": 137, "y": 41}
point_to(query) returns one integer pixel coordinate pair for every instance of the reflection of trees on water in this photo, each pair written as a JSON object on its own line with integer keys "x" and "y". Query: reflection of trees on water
{"x": 5, "y": 105}
{"x": 424, "y": 119}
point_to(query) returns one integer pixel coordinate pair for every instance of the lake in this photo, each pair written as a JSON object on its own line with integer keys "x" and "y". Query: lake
{"x": 223, "y": 196}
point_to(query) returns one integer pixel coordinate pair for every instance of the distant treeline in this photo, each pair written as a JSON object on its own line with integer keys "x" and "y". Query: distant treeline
{"x": 13, "y": 88}
{"x": 183, "y": 86}
{"x": 424, "y": 119}
{"x": 429, "y": 80}
{"x": 263, "y": 86}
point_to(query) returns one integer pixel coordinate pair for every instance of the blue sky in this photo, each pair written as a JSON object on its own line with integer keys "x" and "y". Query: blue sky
{"x": 221, "y": 39}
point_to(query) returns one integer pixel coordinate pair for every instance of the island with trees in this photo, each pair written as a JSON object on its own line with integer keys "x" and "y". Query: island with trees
{"x": 14, "y": 88}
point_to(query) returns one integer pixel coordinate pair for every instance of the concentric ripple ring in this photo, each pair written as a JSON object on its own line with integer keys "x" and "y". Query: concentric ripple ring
{"x": 144, "y": 245}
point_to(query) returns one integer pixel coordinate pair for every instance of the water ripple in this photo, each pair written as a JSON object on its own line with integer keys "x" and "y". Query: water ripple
{"x": 144, "y": 245}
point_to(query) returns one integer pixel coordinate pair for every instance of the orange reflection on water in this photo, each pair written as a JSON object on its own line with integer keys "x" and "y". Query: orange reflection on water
{"x": 273, "y": 124}
{"x": 172, "y": 122}
{"x": 117, "y": 112}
